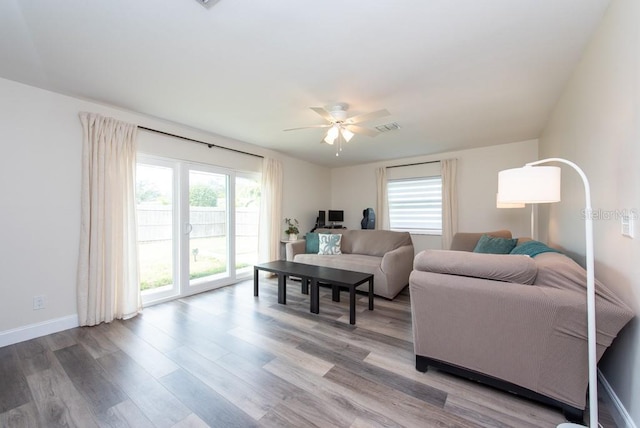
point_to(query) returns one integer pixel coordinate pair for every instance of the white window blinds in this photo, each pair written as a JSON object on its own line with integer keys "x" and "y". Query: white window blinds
{"x": 415, "y": 204}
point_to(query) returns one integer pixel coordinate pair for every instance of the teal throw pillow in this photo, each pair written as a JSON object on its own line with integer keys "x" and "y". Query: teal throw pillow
{"x": 312, "y": 246}
{"x": 532, "y": 249}
{"x": 329, "y": 244}
{"x": 493, "y": 245}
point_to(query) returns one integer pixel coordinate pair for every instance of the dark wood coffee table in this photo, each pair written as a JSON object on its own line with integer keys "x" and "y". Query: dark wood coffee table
{"x": 311, "y": 274}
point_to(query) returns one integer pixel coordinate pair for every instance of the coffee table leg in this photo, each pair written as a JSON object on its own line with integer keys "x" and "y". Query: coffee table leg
{"x": 352, "y": 305}
{"x": 315, "y": 296}
{"x": 255, "y": 281}
{"x": 304, "y": 285}
{"x": 371, "y": 294}
{"x": 282, "y": 288}
{"x": 335, "y": 293}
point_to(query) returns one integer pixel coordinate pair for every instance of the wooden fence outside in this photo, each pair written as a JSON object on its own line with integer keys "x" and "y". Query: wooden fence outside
{"x": 154, "y": 222}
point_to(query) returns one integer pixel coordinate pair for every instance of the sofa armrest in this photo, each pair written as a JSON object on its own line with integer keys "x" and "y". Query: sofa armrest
{"x": 294, "y": 248}
{"x": 499, "y": 267}
{"x": 397, "y": 264}
{"x": 532, "y": 336}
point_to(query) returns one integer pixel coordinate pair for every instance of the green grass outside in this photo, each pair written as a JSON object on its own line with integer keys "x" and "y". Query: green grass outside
{"x": 156, "y": 266}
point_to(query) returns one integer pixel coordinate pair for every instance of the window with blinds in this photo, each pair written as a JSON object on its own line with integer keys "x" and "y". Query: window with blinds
{"x": 415, "y": 204}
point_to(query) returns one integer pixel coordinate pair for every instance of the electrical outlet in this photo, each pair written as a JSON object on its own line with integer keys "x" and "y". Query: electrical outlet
{"x": 39, "y": 302}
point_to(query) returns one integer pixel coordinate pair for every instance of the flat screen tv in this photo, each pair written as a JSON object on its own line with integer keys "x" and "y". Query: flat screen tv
{"x": 336, "y": 216}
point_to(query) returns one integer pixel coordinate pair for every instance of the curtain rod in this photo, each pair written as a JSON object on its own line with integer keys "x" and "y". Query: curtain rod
{"x": 412, "y": 164}
{"x": 210, "y": 145}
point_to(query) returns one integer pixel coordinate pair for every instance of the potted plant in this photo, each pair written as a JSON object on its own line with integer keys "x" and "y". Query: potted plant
{"x": 292, "y": 228}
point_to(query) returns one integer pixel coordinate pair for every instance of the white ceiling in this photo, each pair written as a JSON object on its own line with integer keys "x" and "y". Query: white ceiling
{"x": 453, "y": 73}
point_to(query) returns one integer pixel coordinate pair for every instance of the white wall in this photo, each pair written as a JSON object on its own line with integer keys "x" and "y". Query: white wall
{"x": 354, "y": 188}
{"x": 596, "y": 124}
{"x": 40, "y": 165}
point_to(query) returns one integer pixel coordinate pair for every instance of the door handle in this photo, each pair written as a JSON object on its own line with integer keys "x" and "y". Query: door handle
{"x": 188, "y": 228}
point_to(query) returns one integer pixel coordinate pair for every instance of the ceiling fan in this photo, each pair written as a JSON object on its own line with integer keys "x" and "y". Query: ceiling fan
{"x": 341, "y": 127}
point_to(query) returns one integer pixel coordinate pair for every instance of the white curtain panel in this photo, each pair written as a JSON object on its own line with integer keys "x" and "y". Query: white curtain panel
{"x": 449, "y": 201}
{"x": 270, "y": 210}
{"x": 382, "y": 200}
{"x": 107, "y": 286}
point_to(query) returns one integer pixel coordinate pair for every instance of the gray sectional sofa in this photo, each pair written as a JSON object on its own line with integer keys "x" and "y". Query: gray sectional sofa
{"x": 512, "y": 321}
{"x": 386, "y": 254}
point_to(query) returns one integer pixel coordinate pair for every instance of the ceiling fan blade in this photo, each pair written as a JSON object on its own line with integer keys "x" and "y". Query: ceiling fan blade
{"x": 322, "y": 112}
{"x": 362, "y": 131}
{"x": 307, "y": 127}
{"x": 367, "y": 116}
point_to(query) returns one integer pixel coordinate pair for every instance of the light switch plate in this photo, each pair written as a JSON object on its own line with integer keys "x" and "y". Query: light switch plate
{"x": 626, "y": 221}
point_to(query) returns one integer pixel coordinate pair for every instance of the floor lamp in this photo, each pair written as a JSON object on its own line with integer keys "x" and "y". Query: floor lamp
{"x": 541, "y": 184}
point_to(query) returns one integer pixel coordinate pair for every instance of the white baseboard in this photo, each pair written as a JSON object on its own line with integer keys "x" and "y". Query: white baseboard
{"x": 620, "y": 415}
{"x": 32, "y": 331}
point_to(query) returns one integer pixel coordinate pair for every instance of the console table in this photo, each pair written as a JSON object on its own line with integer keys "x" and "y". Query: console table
{"x": 312, "y": 274}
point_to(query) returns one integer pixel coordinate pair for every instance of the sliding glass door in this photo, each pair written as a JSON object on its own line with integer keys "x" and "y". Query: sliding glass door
{"x": 157, "y": 228}
{"x": 247, "y": 207}
{"x": 197, "y": 227}
{"x": 208, "y": 227}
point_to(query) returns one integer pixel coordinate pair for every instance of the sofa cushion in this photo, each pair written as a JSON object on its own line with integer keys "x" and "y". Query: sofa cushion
{"x": 329, "y": 243}
{"x": 375, "y": 242}
{"x": 312, "y": 243}
{"x": 494, "y": 245}
{"x": 499, "y": 267}
{"x": 353, "y": 262}
{"x": 532, "y": 248}
{"x": 465, "y": 241}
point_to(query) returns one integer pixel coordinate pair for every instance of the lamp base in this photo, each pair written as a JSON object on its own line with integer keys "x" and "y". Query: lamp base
{"x": 570, "y": 425}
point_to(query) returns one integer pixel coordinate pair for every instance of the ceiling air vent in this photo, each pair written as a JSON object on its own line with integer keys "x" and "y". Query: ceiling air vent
{"x": 207, "y": 3}
{"x": 388, "y": 127}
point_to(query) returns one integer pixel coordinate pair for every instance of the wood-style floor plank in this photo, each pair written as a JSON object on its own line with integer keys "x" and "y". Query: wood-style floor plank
{"x": 15, "y": 390}
{"x": 262, "y": 381}
{"x": 289, "y": 353}
{"x": 94, "y": 341}
{"x": 58, "y": 401}
{"x": 397, "y": 405}
{"x": 210, "y": 406}
{"x": 25, "y": 416}
{"x": 89, "y": 378}
{"x": 227, "y": 358}
{"x": 35, "y": 355}
{"x": 380, "y": 376}
{"x": 143, "y": 353}
{"x": 124, "y": 414}
{"x": 228, "y": 385}
{"x": 151, "y": 334}
{"x": 330, "y": 393}
{"x": 191, "y": 421}
{"x": 152, "y": 398}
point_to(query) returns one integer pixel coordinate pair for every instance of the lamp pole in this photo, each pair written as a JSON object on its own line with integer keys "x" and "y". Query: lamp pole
{"x": 591, "y": 294}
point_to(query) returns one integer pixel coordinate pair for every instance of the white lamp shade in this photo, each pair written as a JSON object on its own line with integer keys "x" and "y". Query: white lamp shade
{"x": 529, "y": 185}
{"x": 346, "y": 134}
{"x": 332, "y": 134}
{"x": 500, "y": 204}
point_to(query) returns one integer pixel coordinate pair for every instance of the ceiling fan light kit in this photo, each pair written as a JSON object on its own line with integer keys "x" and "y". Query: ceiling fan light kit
{"x": 341, "y": 127}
